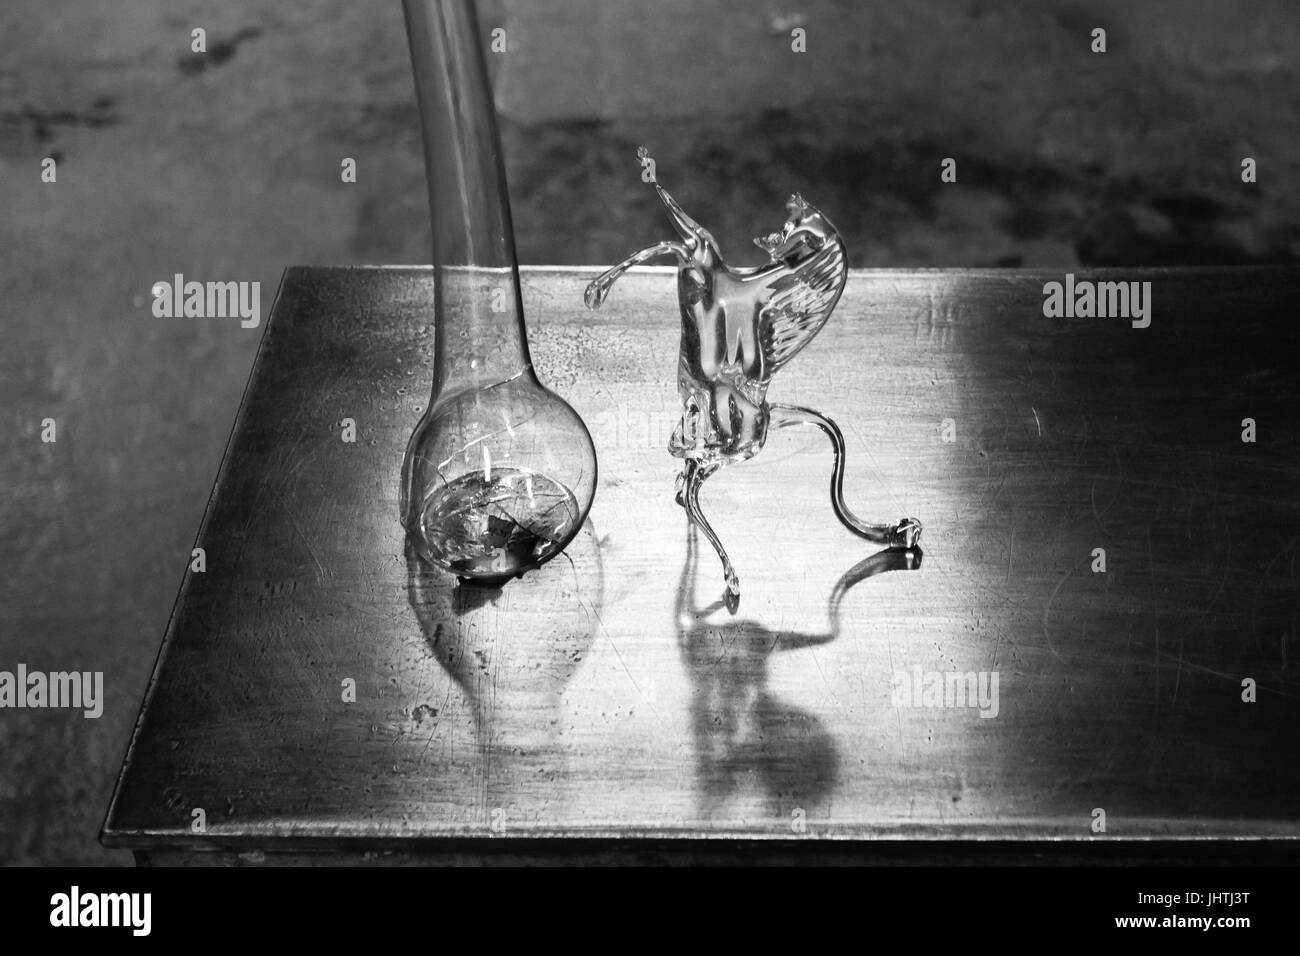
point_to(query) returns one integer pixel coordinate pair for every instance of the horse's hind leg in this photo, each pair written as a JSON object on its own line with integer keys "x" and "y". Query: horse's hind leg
{"x": 904, "y": 535}
{"x": 696, "y": 475}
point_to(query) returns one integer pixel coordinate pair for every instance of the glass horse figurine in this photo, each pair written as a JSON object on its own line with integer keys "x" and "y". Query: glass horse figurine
{"x": 739, "y": 328}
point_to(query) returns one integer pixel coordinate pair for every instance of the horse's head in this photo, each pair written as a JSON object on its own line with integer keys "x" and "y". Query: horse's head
{"x": 805, "y": 231}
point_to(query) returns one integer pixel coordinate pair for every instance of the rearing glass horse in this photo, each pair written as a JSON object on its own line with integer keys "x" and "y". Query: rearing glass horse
{"x": 739, "y": 328}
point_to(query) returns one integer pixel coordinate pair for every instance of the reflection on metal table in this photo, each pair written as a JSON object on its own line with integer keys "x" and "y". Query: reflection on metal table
{"x": 1108, "y": 570}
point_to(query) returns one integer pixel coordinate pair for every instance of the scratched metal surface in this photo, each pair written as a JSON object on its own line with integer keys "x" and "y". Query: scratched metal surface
{"x": 606, "y": 695}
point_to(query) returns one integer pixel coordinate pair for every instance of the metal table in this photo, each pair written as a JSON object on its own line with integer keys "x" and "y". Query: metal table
{"x": 608, "y": 702}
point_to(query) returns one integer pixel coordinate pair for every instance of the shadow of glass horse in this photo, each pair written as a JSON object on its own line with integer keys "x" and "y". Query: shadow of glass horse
{"x": 741, "y": 730}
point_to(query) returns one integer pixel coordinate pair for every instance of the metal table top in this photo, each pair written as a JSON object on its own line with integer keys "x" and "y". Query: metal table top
{"x": 610, "y": 695}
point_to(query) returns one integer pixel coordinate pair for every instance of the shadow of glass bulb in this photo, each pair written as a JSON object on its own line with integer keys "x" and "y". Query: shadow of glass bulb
{"x": 514, "y": 651}
{"x": 500, "y": 472}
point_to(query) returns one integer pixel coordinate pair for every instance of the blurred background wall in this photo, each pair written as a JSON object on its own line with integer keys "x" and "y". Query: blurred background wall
{"x": 227, "y": 166}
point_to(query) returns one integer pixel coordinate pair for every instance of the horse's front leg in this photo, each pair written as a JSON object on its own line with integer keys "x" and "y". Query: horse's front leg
{"x": 696, "y": 475}
{"x": 599, "y": 287}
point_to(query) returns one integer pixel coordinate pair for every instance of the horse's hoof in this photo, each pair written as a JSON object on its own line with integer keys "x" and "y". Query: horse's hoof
{"x": 731, "y": 596}
{"x": 907, "y": 535}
